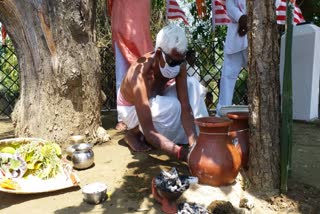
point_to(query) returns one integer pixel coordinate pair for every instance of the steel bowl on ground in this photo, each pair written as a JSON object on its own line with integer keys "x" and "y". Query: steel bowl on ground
{"x": 77, "y": 139}
{"x": 94, "y": 193}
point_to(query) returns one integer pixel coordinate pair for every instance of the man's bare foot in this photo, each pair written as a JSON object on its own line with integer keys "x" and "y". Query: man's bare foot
{"x": 136, "y": 141}
{"x": 121, "y": 126}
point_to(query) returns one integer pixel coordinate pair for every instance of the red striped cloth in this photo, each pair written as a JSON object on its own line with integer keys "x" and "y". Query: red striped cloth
{"x": 281, "y": 6}
{"x": 3, "y": 35}
{"x": 220, "y": 17}
{"x": 175, "y": 12}
{"x": 219, "y": 13}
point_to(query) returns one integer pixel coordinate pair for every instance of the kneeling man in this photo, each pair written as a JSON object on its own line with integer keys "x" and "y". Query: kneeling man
{"x": 158, "y": 101}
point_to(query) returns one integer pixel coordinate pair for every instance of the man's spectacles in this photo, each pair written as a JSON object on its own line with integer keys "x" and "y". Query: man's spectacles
{"x": 171, "y": 62}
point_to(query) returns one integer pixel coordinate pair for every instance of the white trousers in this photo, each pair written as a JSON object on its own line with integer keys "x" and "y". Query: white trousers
{"x": 232, "y": 65}
{"x": 166, "y": 111}
{"x": 122, "y": 66}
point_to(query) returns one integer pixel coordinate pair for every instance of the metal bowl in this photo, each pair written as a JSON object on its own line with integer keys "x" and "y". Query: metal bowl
{"x": 94, "y": 193}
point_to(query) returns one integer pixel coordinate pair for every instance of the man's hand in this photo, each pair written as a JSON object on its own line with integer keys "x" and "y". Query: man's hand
{"x": 243, "y": 28}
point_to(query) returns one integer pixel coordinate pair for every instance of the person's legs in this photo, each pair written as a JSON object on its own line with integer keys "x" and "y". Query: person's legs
{"x": 166, "y": 118}
{"x": 121, "y": 126}
{"x": 134, "y": 137}
{"x": 165, "y": 112}
{"x": 231, "y": 68}
{"x": 136, "y": 141}
{"x": 209, "y": 99}
{"x": 121, "y": 69}
{"x": 244, "y": 58}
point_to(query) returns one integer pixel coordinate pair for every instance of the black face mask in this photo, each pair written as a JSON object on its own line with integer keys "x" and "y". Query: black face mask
{"x": 171, "y": 62}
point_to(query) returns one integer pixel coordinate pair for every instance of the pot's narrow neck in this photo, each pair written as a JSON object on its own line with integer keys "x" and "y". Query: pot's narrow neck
{"x": 83, "y": 150}
{"x": 239, "y": 126}
{"x": 219, "y": 131}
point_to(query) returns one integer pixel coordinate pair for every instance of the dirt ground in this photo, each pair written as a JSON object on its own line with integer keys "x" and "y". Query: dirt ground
{"x": 128, "y": 177}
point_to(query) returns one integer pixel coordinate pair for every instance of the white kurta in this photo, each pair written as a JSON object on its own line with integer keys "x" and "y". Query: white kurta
{"x": 235, "y": 43}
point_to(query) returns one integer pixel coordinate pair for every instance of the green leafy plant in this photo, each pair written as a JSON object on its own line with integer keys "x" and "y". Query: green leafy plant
{"x": 43, "y": 158}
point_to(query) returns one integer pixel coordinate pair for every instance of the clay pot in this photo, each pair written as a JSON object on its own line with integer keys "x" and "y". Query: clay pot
{"x": 240, "y": 129}
{"x": 214, "y": 159}
{"x": 166, "y": 199}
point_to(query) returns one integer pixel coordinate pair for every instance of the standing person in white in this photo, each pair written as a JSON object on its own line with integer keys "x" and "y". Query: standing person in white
{"x": 235, "y": 51}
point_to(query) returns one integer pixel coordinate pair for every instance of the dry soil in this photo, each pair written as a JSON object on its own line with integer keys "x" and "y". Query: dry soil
{"x": 128, "y": 177}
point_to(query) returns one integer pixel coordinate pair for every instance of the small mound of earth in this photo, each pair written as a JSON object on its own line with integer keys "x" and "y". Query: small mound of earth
{"x": 221, "y": 207}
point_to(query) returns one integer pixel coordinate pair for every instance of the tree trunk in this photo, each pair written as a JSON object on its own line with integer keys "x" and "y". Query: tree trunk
{"x": 264, "y": 96}
{"x": 59, "y": 67}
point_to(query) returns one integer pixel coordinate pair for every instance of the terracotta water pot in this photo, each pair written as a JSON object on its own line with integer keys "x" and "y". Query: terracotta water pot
{"x": 214, "y": 159}
{"x": 240, "y": 128}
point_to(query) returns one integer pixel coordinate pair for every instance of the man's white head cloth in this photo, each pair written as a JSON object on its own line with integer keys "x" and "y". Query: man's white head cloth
{"x": 172, "y": 37}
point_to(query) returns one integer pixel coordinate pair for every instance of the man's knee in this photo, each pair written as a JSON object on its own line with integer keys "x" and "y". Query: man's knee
{"x": 230, "y": 72}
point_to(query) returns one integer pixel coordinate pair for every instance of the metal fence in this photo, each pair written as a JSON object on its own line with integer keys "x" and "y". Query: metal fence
{"x": 207, "y": 68}
{"x": 108, "y": 80}
{"x": 9, "y": 80}
{"x": 208, "y": 63}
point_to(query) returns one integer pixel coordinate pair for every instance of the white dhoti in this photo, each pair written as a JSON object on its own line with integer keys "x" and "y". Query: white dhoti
{"x": 122, "y": 66}
{"x": 166, "y": 111}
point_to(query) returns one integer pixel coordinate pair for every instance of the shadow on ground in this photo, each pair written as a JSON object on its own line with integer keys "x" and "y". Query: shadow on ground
{"x": 133, "y": 194}
{"x": 7, "y": 199}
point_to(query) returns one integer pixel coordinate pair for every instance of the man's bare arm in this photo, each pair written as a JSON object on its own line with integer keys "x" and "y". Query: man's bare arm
{"x": 140, "y": 88}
